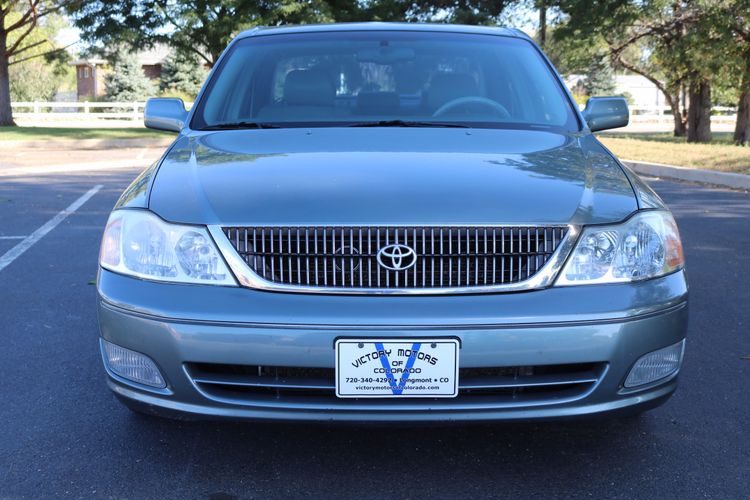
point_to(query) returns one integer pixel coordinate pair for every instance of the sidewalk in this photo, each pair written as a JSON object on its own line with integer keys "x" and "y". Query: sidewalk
{"x": 40, "y": 161}
{"x": 84, "y": 144}
{"x": 712, "y": 177}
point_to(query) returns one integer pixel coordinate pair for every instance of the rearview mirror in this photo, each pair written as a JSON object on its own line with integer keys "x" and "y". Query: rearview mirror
{"x": 165, "y": 114}
{"x": 603, "y": 113}
{"x": 386, "y": 55}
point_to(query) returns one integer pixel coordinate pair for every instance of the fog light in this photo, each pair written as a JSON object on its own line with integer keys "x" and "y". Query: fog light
{"x": 656, "y": 365}
{"x": 132, "y": 365}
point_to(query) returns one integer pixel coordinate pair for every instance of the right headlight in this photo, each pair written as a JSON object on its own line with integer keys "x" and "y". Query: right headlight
{"x": 645, "y": 246}
{"x": 138, "y": 243}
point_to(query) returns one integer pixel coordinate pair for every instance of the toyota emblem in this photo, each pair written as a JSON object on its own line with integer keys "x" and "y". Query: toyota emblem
{"x": 397, "y": 257}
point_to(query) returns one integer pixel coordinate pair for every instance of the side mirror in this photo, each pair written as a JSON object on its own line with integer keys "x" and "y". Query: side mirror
{"x": 603, "y": 113}
{"x": 165, "y": 114}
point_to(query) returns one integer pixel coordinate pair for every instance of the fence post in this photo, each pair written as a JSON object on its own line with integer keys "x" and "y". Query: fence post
{"x": 135, "y": 111}
{"x": 36, "y": 108}
{"x": 86, "y": 107}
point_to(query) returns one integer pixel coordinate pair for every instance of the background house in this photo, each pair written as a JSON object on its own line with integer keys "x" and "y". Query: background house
{"x": 90, "y": 72}
{"x": 89, "y": 77}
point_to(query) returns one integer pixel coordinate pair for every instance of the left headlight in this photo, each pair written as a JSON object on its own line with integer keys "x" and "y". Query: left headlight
{"x": 645, "y": 246}
{"x": 138, "y": 243}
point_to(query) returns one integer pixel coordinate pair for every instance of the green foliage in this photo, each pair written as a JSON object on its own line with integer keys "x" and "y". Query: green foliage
{"x": 141, "y": 23}
{"x": 214, "y": 23}
{"x": 182, "y": 73}
{"x": 600, "y": 79}
{"x": 35, "y": 73}
{"x": 127, "y": 82}
{"x": 33, "y": 80}
{"x": 570, "y": 52}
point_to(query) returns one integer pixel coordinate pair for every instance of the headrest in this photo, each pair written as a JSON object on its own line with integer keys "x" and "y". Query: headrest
{"x": 309, "y": 87}
{"x": 445, "y": 87}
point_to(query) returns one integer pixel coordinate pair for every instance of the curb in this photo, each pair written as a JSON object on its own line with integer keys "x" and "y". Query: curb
{"x": 58, "y": 144}
{"x": 724, "y": 179}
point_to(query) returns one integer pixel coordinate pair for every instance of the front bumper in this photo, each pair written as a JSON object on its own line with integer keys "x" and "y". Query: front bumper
{"x": 178, "y": 326}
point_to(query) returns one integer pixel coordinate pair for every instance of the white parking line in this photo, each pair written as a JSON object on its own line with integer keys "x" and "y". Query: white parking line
{"x": 48, "y": 226}
{"x": 12, "y": 237}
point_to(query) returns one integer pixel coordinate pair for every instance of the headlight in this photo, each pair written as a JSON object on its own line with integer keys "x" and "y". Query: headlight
{"x": 645, "y": 246}
{"x": 138, "y": 243}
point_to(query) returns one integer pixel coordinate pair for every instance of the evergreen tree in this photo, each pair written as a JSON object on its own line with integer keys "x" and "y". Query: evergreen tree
{"x": 182, "y": 73}
{"x": 600, "y": 79}
{"x": 127, "y": 82}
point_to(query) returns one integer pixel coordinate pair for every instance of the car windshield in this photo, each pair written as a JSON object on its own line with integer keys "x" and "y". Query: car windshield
{"x": 383, "y": 78}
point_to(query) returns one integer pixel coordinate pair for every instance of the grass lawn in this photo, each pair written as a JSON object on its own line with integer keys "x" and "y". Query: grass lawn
{"x": 721, "y": 154}
{"x": 46, "y": 133}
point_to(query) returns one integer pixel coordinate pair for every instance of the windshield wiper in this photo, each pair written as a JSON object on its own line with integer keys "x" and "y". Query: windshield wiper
{"x": 239, "y": 125}
{"x": 405, "y": 123}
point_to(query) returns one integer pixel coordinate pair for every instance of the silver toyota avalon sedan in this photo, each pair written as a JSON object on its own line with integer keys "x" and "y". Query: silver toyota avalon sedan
{"x": 388, "y": 222}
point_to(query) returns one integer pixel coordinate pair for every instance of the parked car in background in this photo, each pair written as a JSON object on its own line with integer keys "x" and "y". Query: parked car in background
{"x": 388, "y": 222}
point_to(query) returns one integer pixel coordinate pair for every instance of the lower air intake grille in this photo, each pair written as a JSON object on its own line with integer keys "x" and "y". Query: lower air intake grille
{"x": 395, "y": 257}
{"x": 315, "y": 387}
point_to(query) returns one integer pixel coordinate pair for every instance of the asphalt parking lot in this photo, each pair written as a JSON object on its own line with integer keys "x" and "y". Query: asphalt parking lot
{"x": 64, "y": 435}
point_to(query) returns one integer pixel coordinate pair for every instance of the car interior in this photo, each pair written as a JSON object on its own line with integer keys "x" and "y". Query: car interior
{"x": 387, "y": 81}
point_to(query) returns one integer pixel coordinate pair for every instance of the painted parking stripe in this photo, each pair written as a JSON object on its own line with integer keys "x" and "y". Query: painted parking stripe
{"x": 12, "y": 237}
{"x": 51, "y": 224}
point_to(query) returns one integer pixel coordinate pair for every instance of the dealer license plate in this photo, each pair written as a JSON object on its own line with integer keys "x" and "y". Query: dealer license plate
{"x": 388, "y": 368}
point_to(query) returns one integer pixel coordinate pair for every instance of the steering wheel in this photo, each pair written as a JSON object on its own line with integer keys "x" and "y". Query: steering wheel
{"x": 460, "y": 102}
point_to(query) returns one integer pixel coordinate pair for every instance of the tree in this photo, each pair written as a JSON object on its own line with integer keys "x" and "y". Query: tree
{"x": 182, "y": 73}
{"x": 35, "y": 81}
{"x": 127, "y": 82}
{"x": 215, "y": 22}
{"x": 600, "y": 79}
{"x": 636, "y": 33}
{"x": 738, "y": 30}
{"x": 142, "y": 23}
{"x": 40, "y": 78}
{"x": 478, "y": 12}
{"x": 742, "y": 127}
{"x": 18, "y": 23}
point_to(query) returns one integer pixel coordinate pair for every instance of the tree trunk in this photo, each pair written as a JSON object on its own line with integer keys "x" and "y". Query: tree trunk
{"x": 6, "y": 113}
{"x": 742, "y": 127}
{"x": 680, "y": 130}
{"x": 542, "y": 23}
{"x": 699, "y": 111}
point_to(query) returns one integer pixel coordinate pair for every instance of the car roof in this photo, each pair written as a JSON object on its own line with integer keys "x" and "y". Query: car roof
{"x": 379, "y": 26}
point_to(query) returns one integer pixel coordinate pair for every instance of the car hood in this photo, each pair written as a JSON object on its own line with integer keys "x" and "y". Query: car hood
{"x": 389, "y": 176}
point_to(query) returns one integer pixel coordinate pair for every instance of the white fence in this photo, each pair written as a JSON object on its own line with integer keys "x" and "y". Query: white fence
{"x": 78, "y": 110}
{"x": 133, "y": 112}
{"x": 663, "y": 115}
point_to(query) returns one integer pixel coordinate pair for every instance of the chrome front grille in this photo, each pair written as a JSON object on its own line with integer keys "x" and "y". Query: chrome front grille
{"x": 346, "y": 258}
{"x": 314, "y": 388}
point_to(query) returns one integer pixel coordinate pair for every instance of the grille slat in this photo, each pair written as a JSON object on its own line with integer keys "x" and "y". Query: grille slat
{"x": 347, "y": 257}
